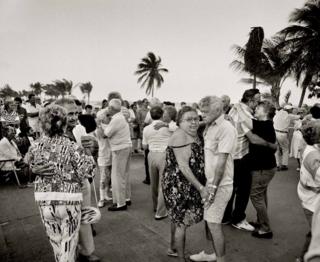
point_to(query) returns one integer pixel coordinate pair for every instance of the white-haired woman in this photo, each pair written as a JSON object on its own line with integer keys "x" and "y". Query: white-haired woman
{"x": 58, "y": 188}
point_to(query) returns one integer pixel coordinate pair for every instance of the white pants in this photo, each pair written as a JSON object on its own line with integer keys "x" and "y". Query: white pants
{"x": 121, "y": 188}
{"x": 157, "y": 162}
{"x": 62, "y": 223}
{"x": 282, "y": 154}
{"x": 105, "y": 177}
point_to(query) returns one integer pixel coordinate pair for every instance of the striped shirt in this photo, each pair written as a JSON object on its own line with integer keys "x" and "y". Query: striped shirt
{"x": 242, "y": 117}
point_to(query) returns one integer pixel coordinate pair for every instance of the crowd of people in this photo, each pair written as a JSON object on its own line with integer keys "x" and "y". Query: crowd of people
{"x": 203, "y": 162}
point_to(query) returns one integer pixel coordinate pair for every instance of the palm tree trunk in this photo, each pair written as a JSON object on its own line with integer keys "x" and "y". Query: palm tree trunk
{"x": 88, "y": 98}
{"x": 304, "y": 89}
{"x": 254, "y": 84}
{"x": 152, "y": 90}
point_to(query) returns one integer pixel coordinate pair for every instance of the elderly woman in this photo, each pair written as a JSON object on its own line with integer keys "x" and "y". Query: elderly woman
{"x": 60, "y": 166}
{"x": 184, "y": 179}
{"x": 9, "y": 115}
{"x": 309, "y": 183}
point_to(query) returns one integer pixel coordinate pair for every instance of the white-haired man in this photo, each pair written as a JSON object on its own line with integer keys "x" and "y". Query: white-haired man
{"x": 220, "y": 138}
{"x": 118, "y": 132}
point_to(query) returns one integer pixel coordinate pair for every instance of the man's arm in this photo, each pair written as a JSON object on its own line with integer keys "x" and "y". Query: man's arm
{"x": 257, "y": 140}
{"x": 35, "y": 114}
{"x": 218, "y": 170}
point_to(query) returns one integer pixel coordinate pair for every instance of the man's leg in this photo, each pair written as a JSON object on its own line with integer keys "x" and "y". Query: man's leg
{"x": 213, "y": 216}
{"x": 236, "y": 180}
{"x": 285, "y": 149}
{"x": 243, "y": 181}
{"x": 161, "y": 207}
{"x": 114, "y": 178}
{"x": 218, "y": 242}
{"x": 120, "y": 167}
{"x": 86, "y": 244}
{"x": 127, "y": 175}
{"x": 154, "y": 178}
{"x": 278, "y": 153}
{"x": 146, "y": 167}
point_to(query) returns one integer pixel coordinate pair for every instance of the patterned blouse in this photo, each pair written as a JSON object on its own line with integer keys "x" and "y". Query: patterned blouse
{"x": 70, "y": 165}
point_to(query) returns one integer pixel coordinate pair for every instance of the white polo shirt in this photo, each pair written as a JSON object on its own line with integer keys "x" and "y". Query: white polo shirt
{"x": 118, "y": 132}
{"x": 220, "y": 137}
{"x": 33, "y": 121}
{"x": 157, "y": 140}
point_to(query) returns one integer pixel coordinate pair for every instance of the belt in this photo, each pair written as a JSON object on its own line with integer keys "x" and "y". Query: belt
{"x": 280, "y": 131}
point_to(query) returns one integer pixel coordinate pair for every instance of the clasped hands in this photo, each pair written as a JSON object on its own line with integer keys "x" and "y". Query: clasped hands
{"x": 208, "y": 194}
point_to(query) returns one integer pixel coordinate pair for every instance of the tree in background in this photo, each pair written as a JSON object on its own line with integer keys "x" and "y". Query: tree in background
{"x": 273, "y": 66}
{"x": 51, "y": 90}
{"x": 86, "y": 89}
{"x": 36, "y": 88}
{"x": 64, "y": 86}
{"x": 302, "y": 44}
{"x": 149, "y": 71}
{"x": 7, "y": 91}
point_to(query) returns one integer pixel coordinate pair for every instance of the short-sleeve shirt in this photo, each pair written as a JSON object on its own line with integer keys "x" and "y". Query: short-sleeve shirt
{"x": 157, "y": 140}
{"x": 118, "y": 132}
{"x": 33, "y": 121}
{"x": 241, "y": 114}
{"x": 219, "y": 137}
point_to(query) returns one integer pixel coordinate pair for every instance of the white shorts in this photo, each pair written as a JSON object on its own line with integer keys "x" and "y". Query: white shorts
{"x": 215, "y": 212}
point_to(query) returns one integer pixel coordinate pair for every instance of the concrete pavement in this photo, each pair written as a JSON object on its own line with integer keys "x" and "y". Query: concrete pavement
{"x": 134, "y": 235}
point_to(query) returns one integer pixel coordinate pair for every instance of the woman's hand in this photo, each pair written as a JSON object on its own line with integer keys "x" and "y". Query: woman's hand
{"x": 204, "y": 194}
{"x": 43, "y": 170}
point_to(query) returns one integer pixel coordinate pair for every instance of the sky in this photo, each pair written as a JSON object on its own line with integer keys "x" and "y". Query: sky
{"x": 103, "y": 41}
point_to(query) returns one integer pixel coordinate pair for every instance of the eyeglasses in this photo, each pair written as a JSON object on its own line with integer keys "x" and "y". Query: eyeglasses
{"x": 191, "y": 119}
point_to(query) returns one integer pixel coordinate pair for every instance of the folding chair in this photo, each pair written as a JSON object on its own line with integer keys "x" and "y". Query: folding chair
{"x": 8, "y": 166}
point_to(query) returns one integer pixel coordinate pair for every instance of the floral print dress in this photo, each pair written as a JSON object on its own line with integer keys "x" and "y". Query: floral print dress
{"x": 182, "y": 199}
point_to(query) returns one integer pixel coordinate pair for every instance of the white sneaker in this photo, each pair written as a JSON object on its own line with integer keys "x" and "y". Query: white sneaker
{"x": 202, "y": 256}
{"x": 107, "y": 198}
{"x": 101, "y": 203}
{"x": 244, "y": 225}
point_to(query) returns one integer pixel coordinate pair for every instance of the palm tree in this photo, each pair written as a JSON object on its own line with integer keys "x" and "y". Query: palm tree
{"x": 273, "y": 66}
{"x": 36, "y": 88}
{"x": 86, "y": 88}
{"x": 7, "y": 91}
{"x": 64, "y": 86}
{"x": 301, "y": 43}
{"x": 149, "y": 71}
{"x": 252, "y": 54}
{"x": 51, "y": 90}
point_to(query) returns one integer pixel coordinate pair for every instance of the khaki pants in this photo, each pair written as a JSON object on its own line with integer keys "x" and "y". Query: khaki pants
{"x": 157, "y": 162}
{"x": 62, "y": 223}
{"x": 86, "y": 244}
{"x": 282, "y": 154}
{"x": 121, "y": 188}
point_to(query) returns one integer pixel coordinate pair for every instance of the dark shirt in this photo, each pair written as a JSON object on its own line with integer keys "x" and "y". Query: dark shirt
{"x": 262, "y": 157}
{"x": 22, "y": 112}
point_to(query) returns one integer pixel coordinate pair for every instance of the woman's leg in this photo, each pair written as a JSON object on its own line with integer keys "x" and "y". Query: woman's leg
{"x": 172, "y": 237}
{"x": 180, "y": 239}
{"x": 65, "y": 218}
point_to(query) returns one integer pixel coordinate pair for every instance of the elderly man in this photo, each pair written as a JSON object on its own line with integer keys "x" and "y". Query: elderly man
{"x": 118, "y": 132}
{"x": 241, "y": 115}
{"x": 220, "y": 139}
{"x": 156, "y": 141}
{"x": 282, "y": 121}
{"x": 77, "y": 133}
{"x": 33, "y": 110}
